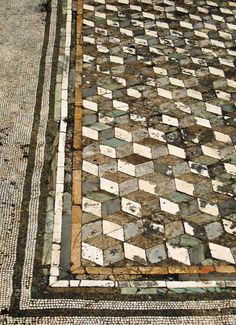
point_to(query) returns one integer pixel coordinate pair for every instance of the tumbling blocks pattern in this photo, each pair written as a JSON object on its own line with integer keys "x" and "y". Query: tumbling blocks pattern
{"x": 159, "y": 158}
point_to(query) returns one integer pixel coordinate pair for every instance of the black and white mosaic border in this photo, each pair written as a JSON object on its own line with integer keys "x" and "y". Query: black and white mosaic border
{"x": 197, "y": 320}
{"x": 27, "y": 303}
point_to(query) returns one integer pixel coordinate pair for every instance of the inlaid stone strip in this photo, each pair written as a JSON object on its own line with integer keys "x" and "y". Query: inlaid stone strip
{"x": 59, "y": 190}
{"x": 77, "y": 150}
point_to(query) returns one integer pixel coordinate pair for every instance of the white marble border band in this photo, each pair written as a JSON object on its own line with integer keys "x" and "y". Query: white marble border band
{"x": 56, "y": 247}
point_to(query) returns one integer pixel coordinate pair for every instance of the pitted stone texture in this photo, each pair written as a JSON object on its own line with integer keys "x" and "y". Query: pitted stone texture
{"x": 146, "y": 248}
{"x": 158, "y": 128}
{"x": 118, "y": 183}
{"x": 140, "y": 204}
{"x": 102, "y": 250}
{"x": 186, "y": 249}
{"x": 122, "y": 226}
{"x": 100, "y": 203}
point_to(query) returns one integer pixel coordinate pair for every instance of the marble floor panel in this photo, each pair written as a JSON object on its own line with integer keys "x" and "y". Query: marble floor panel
{"x": 158, "y": 135}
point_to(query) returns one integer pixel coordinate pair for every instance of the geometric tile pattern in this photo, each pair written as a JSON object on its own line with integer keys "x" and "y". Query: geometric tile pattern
{"x": 27, "y": 296}
{"x": 159, "y": 136}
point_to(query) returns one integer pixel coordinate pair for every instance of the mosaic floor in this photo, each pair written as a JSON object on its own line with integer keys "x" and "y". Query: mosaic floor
{"x": 123, "y": 208}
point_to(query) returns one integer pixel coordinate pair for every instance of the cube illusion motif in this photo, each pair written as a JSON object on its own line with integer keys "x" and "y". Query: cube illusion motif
{"x": 159, "y": 136}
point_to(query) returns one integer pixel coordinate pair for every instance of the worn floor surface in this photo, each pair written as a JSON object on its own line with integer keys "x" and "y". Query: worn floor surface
{"x": 117, "y": 155}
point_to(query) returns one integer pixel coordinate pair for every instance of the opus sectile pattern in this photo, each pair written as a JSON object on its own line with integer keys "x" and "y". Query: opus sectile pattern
{"x": 26, "y": 297}
{"x": 159, "y": 136}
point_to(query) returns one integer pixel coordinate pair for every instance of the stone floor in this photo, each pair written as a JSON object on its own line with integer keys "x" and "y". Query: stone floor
{"x": 158, "y": 133}
{"x": 118, "y": 162}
